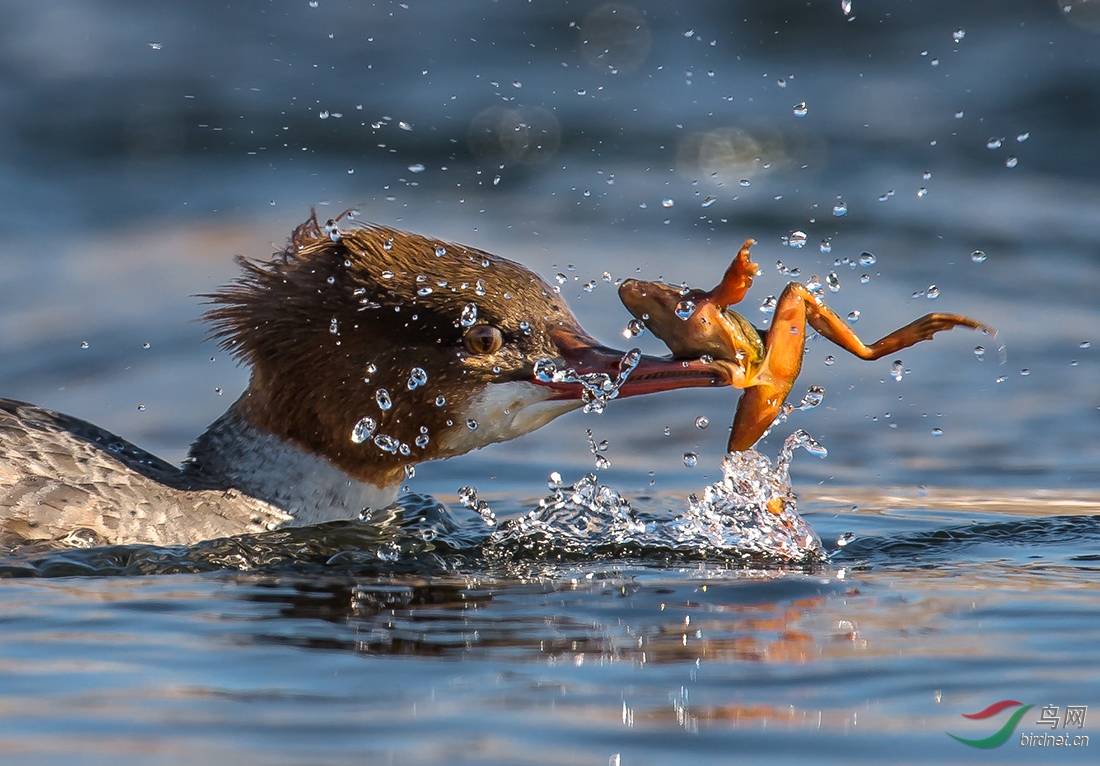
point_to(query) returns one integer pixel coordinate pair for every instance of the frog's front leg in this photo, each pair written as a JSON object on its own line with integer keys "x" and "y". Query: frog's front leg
{"x": 737, "y": 280}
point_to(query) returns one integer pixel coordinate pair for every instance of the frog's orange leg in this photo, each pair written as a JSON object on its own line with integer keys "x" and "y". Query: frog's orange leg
{"x": 832, "y": 327}
{"x": 737, "y": 280}
{"x": 784, "y": 344}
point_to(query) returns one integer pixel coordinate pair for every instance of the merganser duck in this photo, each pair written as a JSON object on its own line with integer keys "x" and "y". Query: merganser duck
{"x": 371, "y": 350}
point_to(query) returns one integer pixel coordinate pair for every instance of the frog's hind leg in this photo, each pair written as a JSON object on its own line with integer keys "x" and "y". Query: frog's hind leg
{"x": 831, "y": 326}
{"x": 784, "y": 343}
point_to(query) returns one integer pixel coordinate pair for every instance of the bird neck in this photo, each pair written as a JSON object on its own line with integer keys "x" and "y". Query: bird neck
{"x": 235, "y": 453}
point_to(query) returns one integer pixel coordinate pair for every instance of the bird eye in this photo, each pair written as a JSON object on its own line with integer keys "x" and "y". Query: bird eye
{"x": 483, "y": 339}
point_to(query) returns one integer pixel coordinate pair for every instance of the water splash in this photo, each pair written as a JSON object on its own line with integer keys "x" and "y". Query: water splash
{"x": 597, "y": 387}
{"x": 748, "y": 517}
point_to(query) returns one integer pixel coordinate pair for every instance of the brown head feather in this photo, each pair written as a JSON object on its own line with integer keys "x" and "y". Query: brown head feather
{"x": 340, "y": 315}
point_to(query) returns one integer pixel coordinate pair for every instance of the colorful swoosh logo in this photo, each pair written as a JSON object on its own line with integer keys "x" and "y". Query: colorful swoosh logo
{"x": 1001, "y": 736}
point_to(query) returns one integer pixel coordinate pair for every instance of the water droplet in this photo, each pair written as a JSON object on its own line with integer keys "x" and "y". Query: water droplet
{"x": 633, "y": 329}
{"x": 469, "y": 315}
{"x": 141, "y": 408}
{"x": 382, "y": 396}
{"x": 853, "y": 316}
{"x": 896, "y": 369}
{"x": 416, "y": 167}
{"x": 744, "y": 182}
{"x": 667, "y": 431}
{"x": 840, "y": 208}
{"x": 932, "y": 293}
{"x": 440, "y": 401}
{"x": 767, "y": 306}
{"x": 994, "y": 143}
{"x": 387, "y": 275}
{"x": 796, "y": 239}
{"x": 668, "y": 202}
{"x": 958, "y": 35}
{"x": 545, "y": 369}
{"x": 830, "y": 360}
{"x": 691, "y": 459}
{"x": 589, "y": 286}
{"x": 363, "y": 430}
{"x": 709, "y": 201}
{"x": 334, "y": 327}
{"x": 978, "y": 256}
{"x": 684, "y": 309}
{"x": 1084, "y": 344}
{"x": 702, "y": 422}
{"x": 922, "y": 193}
{"x": 424, "y": 291}
{"x": 1011, "y": 162}
{"x": 800, "y": 109}
{"x": 846, "y": 6}
{"x": 417, "y": 378}
{"x": 1025, "y": 372}
{"x": 471, "y": 424}
{"x": 832, "y": 281}
{"x": 937, "y": 432}
{"x": 1023, "y": 137}
{"x": 387, "y": 443}
{"x": 826, "y": 245}
{"x": 814, "y": 396}
{"x": 979, "y": 351}
{"x": 926, "y": 175}
{"x": 864, "y": 279}
{"x": 813, "y": 284}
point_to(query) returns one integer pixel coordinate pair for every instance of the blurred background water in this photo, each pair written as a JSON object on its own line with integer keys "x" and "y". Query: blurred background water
{"x": 144, "y": 144}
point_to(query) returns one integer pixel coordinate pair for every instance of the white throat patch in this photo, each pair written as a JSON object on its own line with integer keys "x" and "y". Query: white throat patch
{"x": 501, "y": 412}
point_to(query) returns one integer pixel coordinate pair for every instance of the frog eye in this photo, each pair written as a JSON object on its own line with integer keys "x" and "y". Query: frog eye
{"x": 483, "y": 339}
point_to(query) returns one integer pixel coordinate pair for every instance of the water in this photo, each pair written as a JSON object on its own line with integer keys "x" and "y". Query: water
{"x": 134, "y": 170}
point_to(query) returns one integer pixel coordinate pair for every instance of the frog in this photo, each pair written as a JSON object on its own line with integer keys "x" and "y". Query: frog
{"x": 763, "y": 363}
